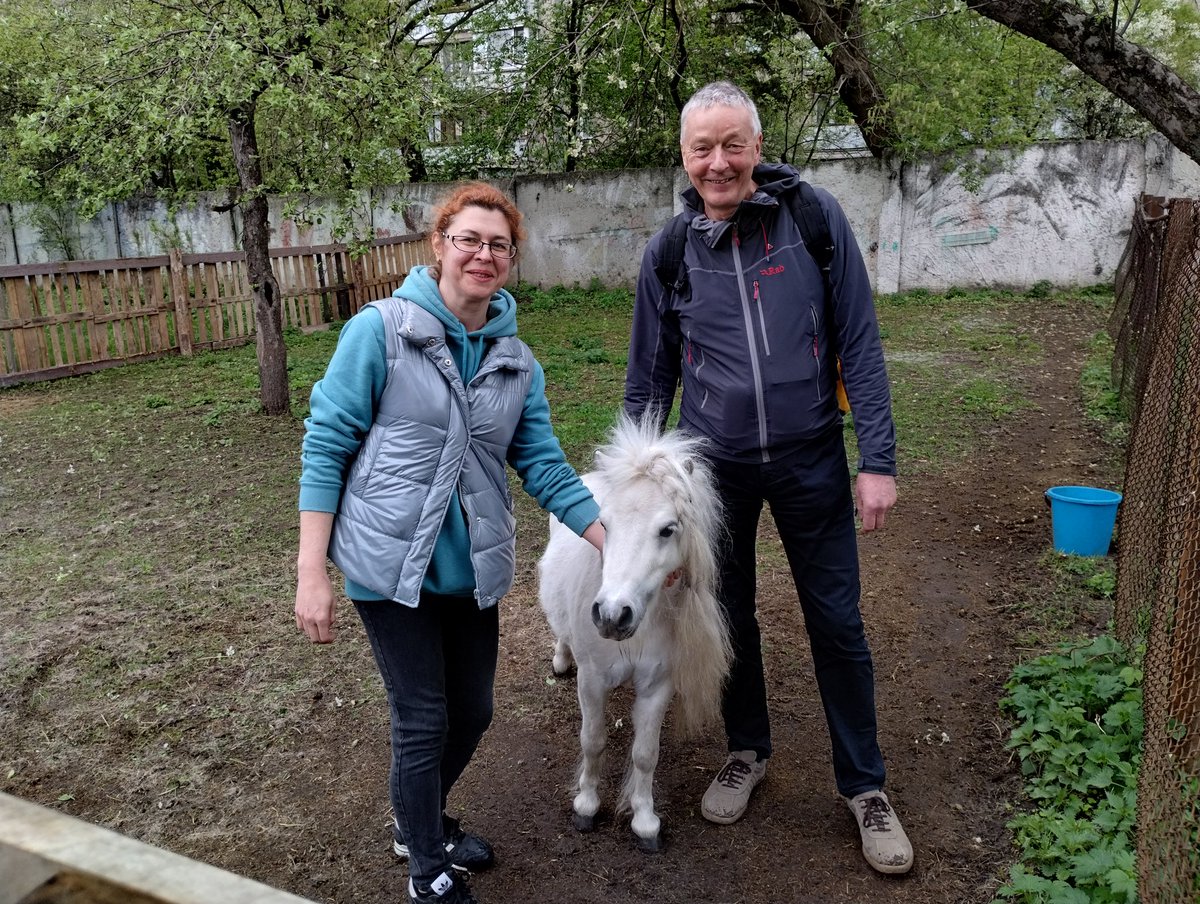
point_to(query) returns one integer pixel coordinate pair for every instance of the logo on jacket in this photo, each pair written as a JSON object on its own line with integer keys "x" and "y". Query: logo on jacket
{"x": 771, "y": 271}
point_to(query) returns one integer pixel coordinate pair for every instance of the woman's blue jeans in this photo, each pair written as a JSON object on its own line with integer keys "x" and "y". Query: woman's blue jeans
{"x": 808, "y": 491}
{"x": 438, "y": 663}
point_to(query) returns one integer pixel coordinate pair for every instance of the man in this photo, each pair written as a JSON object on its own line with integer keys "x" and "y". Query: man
{"x": 754, "y": 333}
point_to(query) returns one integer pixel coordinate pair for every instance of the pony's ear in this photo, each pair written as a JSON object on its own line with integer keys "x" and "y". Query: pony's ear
{"x": 689, "y": 465}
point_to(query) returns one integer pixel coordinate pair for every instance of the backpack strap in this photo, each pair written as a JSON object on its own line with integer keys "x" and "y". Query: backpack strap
{"x": 814, "y": 229}
{"x": 670, "y": 269}
{"x": 806, "y": 211}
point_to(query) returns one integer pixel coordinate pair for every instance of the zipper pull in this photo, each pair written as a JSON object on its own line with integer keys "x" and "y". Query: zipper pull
{"x": 756, "y": 298}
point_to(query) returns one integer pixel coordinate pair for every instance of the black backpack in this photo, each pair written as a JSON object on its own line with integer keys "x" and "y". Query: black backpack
{"x": 806, "y": 211}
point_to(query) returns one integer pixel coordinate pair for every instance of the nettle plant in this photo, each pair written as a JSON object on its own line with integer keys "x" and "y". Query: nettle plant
{"x": 1079, "y": 739}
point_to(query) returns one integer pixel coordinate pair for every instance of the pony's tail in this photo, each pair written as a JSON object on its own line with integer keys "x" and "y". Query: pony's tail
{"x": 706, "y": 655}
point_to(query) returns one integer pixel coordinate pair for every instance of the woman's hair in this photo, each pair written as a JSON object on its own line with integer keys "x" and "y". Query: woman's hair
{"x": 720, "y": 94}
{"x": 475, "y": 194}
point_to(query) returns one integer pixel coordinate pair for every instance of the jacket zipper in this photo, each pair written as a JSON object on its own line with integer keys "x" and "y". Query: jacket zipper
{"x": 762, "y": 321}
{"x": 816, "y": 351}
{"x": 755, "y": 370}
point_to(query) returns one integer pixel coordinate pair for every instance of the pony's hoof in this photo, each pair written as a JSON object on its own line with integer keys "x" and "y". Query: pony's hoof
{"x": 652, "y": 845}
{"x": 583, "y": 823}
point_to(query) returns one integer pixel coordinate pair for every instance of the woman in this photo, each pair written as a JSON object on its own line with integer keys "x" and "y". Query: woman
{"x": 404, "y": 487}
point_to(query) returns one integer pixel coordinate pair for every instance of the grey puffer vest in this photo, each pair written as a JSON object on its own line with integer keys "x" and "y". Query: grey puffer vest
{"x": 433, "y": 435}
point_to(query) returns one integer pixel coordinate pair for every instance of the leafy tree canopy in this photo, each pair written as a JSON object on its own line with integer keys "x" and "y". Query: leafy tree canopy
{"x": 106, "y": 100}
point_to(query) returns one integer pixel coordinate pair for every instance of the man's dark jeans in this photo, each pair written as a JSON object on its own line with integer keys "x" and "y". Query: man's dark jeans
{"x": 438, "y": 663}
{"x": 808, "y": 491}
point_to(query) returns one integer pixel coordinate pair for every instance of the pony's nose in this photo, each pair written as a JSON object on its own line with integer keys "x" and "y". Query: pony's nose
{"x": 617, "y": 628}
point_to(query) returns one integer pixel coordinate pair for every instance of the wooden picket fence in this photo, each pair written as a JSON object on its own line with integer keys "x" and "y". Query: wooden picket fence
{"x": 75, "y": 317}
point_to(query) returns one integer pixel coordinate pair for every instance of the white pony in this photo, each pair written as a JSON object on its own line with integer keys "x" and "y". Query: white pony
{"x": 644, "y": 614}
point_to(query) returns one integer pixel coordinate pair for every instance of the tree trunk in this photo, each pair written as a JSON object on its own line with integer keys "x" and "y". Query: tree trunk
{"x": 574, "y": 75}
{"x": 256, "y": 234}
{"x": 835, "y": 30}
{"x": 1126, "y": 69}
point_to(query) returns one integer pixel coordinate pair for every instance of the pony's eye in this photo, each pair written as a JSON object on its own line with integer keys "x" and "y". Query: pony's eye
{"x": 667, "y": 531}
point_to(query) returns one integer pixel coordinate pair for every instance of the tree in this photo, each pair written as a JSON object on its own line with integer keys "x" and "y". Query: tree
{"x": 1094, "y": 42}
{"x": 304, "y": 95}
{"x": 893, "y": 108}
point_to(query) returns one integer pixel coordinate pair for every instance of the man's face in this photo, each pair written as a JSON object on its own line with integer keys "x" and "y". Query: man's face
{"x": 720, "y": 150}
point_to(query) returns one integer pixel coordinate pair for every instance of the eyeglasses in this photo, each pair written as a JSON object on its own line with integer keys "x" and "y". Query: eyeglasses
{"x": 472, "y": 245}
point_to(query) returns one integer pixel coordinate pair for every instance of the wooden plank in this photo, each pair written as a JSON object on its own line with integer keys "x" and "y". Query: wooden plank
{"x": 310, "y": 308}
{"x": 74, "y": 370}
{"x": 113, "y": 310}
{"x": 296, "y": 303}
{"x": 77, "y": 266}
{"x": 228, "y": 281}
{"x": 240, "y": 319}
{"x": 75, "y": 316}
{"x": 118, "y": 306}
{"x": 29, "y": 349}
{"x": 51, "y": 333}
{"x": 213, "y": 257}
{"x": 93, "y": 300}
{"x": 212, "y": 310}
{"x": 156, "y": 286}
{"x": 181, "y": 302}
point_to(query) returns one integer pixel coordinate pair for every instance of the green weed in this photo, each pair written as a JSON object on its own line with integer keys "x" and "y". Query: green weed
{"x": 1078, "y": 738}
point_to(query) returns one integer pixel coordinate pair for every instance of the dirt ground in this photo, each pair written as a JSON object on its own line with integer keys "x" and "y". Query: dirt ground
{"x": 310, "y": 813}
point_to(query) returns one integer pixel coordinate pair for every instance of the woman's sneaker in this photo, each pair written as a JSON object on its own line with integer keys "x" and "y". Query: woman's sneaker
{"x": 448, "y": 888}
{"x": 468, "y": 853}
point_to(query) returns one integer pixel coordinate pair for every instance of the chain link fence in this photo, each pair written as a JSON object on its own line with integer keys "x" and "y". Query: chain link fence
{"x": 1156, "y": 365}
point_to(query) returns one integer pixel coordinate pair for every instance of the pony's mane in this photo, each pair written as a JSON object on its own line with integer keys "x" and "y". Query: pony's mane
{"x": 675, "y": 462}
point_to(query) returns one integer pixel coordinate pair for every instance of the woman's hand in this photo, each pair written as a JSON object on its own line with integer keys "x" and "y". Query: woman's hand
{"x": 314, "y": 590}
{"x": 315, "y": 606}
{"x": 594, "y": 534}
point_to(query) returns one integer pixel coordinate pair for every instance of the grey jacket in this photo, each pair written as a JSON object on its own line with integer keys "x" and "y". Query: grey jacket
{"x": 432, "y": 435}
{"x": 754, "y": 339}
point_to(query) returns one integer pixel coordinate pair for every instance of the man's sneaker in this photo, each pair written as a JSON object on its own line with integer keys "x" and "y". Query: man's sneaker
{"x": 729, "y": 794}
{"x": 884, "y": 843}
{"x": 447, "y": 888}
{"x": 468, "y": 853}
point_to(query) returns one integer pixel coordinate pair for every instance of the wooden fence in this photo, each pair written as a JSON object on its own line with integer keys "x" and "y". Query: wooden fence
{"x": 75, "y": 317}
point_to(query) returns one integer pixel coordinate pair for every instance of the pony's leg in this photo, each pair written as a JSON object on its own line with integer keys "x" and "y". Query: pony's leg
{"x": 563, "y": 658}
{"x": 649, "y": 710}
{"x": 592, "y": 737}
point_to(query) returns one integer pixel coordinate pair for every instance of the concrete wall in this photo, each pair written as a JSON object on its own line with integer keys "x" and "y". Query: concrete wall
{"x": 1056, "y": 212}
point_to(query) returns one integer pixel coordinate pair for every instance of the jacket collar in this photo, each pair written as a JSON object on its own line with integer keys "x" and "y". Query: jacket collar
{"x": 772, "y": 180}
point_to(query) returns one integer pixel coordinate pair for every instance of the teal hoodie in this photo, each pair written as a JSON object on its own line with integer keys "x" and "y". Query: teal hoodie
{"x": 343, "y": 405}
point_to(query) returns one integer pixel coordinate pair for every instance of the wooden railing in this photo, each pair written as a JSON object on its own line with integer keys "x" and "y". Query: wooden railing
{"x": 74, "y": 317}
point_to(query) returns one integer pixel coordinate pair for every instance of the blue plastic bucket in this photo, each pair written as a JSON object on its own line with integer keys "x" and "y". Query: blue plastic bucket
{"x": 1082, "y": 519}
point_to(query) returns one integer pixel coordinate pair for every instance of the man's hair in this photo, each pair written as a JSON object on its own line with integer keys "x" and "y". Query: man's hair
{"x": 720, "y": 94}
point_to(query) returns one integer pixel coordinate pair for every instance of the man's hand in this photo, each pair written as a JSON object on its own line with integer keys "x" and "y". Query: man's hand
{"x": 874, "y": 494}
